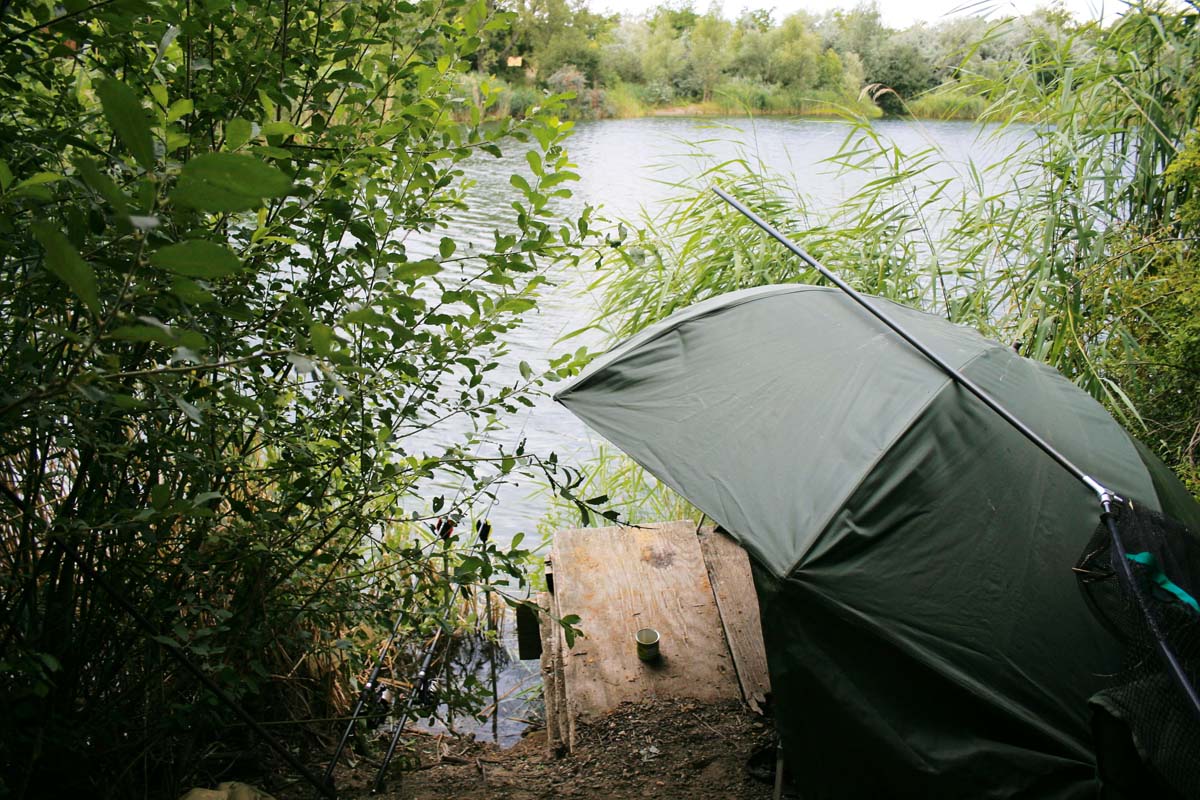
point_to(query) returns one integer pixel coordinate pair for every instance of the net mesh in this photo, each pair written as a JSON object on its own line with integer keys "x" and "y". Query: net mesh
{"x": 1164, "y": 558}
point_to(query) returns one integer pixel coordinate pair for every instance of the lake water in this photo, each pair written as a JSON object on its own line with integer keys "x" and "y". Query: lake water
{"x": 627, "y": 166}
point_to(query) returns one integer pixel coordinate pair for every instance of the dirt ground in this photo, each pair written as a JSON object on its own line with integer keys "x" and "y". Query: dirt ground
{"x": 663, "y": 749}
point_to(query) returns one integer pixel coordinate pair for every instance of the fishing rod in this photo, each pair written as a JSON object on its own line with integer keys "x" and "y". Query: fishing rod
{"x": 1106, "y": 497}
{"x": 443, "y": 529}
{"x": 367, "y": 691}
{"x": 419, "y": 688}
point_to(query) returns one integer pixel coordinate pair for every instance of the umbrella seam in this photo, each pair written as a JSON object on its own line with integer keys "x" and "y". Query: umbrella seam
{"x": 880, "y": 456}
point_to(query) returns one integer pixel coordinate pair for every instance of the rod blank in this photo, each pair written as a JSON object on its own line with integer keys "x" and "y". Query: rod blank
{"x": 1103, "y": 494}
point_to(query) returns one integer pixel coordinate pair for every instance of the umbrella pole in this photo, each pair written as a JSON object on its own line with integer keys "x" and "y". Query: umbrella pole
{"x": 1106, "y": 497}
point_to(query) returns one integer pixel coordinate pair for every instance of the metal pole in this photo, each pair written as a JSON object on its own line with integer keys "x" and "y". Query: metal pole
{"x": 362, "y": 699}
{"x": 962, "y": 380}
{"x": 1106, "y": 497}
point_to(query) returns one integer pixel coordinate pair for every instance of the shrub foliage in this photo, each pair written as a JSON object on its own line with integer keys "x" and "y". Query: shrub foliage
{"x": 233, "y": 315}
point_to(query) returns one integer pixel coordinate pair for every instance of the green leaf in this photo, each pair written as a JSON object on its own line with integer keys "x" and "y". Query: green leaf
{"x": 192, "y": 412}
{"x": 526, "y": 370}
{"x": 197, "y": 258}
{"x": 416, "y": 269}
{"x": 322, "y": 338}
{"x": 224, "y": 182}
{"x": 102, "y": 185}
{"x": 160, "y": 496}
{"x": 37, "y": 179}
{"x": 143, "y": 333}
{"x": 447, "y": 247}
{"x": 279, "y": 128}
{"x": 238, "y": 131}
{"x": 535, "y": 161}
{"x": 6, "y": 176}
{"x": 64, "y": 261}
{"x": 128, "y": 119}
{"x": 189, "y": 291}
{"x": 468, "y": 566}
{"x": 180, "y": 108}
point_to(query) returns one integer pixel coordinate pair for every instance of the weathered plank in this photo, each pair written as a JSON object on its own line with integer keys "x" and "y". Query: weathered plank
{"x": 733, "y": 585}
{"x": 556, "y": 738}
{"x": 619, "y": 580}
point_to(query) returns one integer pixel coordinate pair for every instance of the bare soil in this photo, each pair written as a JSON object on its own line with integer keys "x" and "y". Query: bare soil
{"x": 660, "y": 749}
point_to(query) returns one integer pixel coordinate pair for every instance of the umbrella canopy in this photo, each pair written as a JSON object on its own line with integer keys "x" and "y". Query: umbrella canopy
{"x": 912, "y": 551}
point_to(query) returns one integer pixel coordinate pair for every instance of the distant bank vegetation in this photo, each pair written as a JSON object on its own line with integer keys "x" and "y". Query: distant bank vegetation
{"x": 674, "y": 59}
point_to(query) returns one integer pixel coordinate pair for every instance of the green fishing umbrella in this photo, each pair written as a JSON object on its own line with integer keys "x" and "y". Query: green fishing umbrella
{"x": 912, "y": 550}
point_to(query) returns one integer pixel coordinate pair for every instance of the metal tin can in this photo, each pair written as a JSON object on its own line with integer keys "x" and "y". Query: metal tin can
{"x": 647, "y": 644}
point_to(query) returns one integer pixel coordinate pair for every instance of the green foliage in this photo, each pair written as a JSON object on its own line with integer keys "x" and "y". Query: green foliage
{"x": 708, "y": 53}
{"x": 674, "y": 54}
{"x": 900, "y": 72}
{"x": 235, "y": 320}
{"x": 625, "y": 490}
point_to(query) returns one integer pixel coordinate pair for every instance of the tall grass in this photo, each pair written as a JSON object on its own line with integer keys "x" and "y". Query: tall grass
{"x": 948, "y": 102}
{"x": 617, "y": 482}
{"x": 625, "y": 102}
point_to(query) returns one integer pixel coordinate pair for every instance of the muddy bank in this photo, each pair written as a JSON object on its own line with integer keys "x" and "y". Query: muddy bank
{"x": 664, "y": 749}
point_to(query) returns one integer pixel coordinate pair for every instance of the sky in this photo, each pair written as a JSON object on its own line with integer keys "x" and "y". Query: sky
{"x": 895, "y": 14}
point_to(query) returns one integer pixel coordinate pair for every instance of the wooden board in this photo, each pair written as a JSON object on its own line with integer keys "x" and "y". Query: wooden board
{"x": 733, "y": 586}
{"x": 557, "y": 736}
{"x": 619, "y": 580}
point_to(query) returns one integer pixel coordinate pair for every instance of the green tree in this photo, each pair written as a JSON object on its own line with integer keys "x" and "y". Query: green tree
{"x": 555, "y": 33}
{"x": 859, "y": 30}
{"x": 901, "y": 72}
{"x": 795, "y": 53}
{"x": 664, "y": 59}
{"x": 708, "y": 52}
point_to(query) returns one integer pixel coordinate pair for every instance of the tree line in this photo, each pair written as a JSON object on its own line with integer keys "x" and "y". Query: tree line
{"x": 675, "y": 55}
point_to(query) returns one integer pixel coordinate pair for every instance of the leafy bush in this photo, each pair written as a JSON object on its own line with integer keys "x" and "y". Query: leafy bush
{"x": 521, "y": 99}
{"x": 740, "y": 95}
{"x": 581, "y": 102}
{"x": 624, "y": 102}
{"x": 656, "y": 93}
{"x": 229, "y": 311}
{"x": 948, "y": 102}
